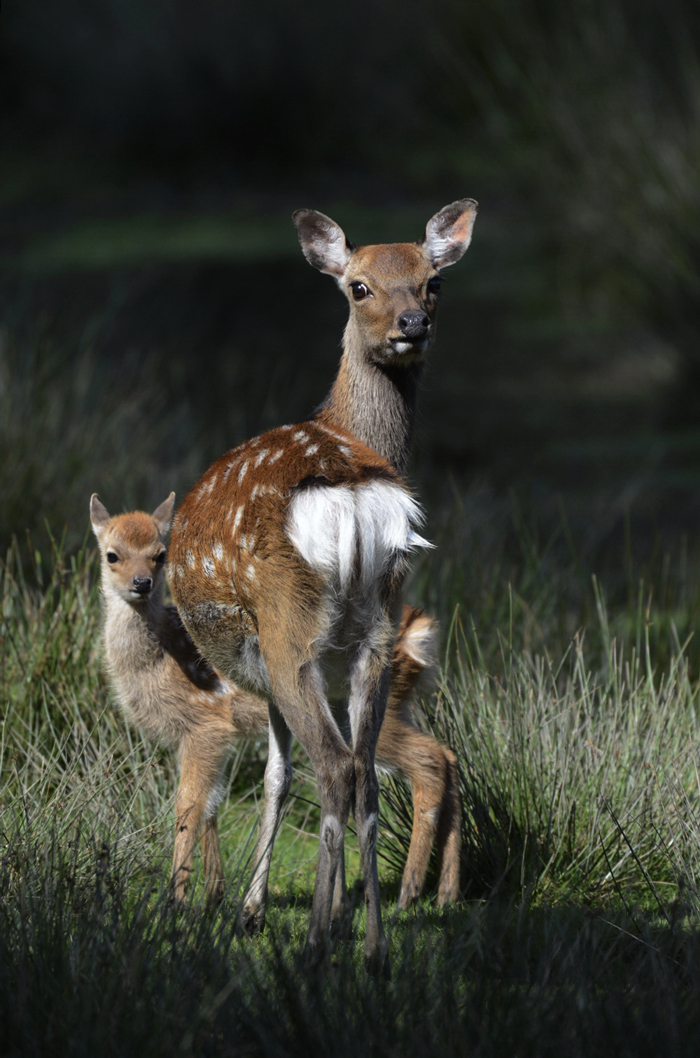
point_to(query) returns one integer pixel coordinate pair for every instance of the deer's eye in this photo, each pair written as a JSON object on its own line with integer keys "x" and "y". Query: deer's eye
{"x": 434, "y": 284}
{"x": 112, "y": 557}
{"x": 359, "y": 290}
{"x": 160, "y": 558}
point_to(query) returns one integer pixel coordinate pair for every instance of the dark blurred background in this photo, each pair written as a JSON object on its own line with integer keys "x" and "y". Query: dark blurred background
{"x": 155, "y": 307}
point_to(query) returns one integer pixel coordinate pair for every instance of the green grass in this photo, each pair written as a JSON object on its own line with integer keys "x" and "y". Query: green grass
{"x": 578, "y": 930}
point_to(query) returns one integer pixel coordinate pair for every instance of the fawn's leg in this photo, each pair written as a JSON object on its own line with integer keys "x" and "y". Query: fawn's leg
{"x": 449, "y": 833}
{"x": 197, "y": 799}
{"x": 211, "y": 856}
{"x": 430, "y": 768}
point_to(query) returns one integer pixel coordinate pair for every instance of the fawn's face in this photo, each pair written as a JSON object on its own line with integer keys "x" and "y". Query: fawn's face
{"x": 132, "y": 550}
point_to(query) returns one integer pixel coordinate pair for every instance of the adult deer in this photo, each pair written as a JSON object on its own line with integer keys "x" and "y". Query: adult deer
{"x": 289, "y": 554}
{"x": 393, "y": 293}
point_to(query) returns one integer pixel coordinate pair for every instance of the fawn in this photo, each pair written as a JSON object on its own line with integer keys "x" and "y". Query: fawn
{"x": 168, "y": 690}
{"x": 287, "y": 558}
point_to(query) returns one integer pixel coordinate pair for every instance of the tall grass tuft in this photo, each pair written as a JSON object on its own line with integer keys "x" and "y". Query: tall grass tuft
{"x": 581, "y": 837}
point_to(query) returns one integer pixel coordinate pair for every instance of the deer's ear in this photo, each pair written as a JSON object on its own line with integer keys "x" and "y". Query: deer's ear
{"x": 449, "y": 232}
{"x": 323, "y": 242}
{"x": 99, "y": 515}
{"x": 163, "y": 515}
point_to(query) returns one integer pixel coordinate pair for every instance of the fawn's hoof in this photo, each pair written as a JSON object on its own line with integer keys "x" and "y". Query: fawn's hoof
{"x": 177, "y": 899}
{"x": 215, "y": 895}
{"x": 409, "y": 895}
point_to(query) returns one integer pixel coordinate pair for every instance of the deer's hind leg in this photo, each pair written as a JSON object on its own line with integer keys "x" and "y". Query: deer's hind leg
{"x": 278, "y": 779}
{"x": 298, "y": 690}
{"x": 369, "y": 688}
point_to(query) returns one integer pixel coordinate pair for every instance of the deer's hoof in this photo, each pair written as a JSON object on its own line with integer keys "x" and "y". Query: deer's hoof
{"x": 251, "y": 921}
{"x": 377, "y": 962}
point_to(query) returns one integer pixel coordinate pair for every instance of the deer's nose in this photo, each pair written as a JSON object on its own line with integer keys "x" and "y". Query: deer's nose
{"x": 414, "y": 324}
{"x": 143, "y": 585}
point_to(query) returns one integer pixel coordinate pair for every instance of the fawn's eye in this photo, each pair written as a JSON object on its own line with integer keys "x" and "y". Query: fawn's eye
{"x": 359, "y": 290}
{"x": 434, "y": 284}
{"x": 160, "y": 558}
{"x": 112, "y": 557}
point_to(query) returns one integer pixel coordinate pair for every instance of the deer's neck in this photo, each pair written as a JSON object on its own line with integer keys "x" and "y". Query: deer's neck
{"x": 375, "y": 403}
{"x": 133, "y": 631}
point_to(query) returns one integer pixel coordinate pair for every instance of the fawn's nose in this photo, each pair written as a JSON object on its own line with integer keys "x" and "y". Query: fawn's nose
{"x": 414, "y": 324}
{"x": 142, "y": 585}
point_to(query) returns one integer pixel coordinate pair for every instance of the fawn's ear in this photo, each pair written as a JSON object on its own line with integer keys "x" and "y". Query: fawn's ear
{"x": 323, "y": 241}
{"x": 99, "y": 515}
{"x": 449, "y": 232}
{"x": 163, "y": 515}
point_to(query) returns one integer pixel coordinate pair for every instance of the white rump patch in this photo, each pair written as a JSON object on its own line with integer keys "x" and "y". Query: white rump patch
{"x": 339, "y": 529}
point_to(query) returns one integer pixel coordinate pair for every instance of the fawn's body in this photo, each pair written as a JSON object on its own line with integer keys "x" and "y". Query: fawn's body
{"x": 292, "y": 549}
{"x": 178, "y": 699}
